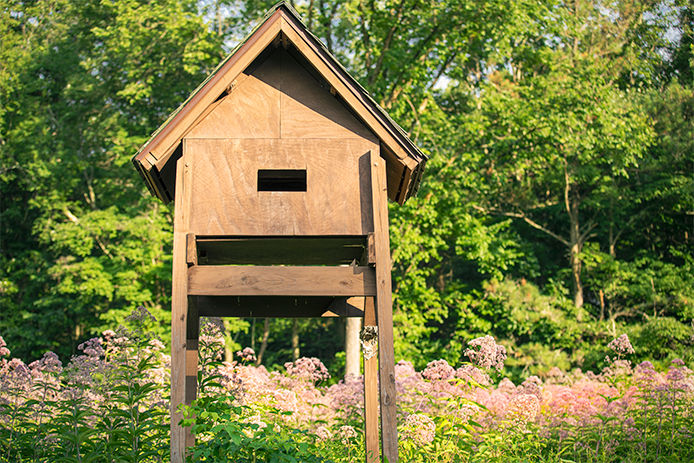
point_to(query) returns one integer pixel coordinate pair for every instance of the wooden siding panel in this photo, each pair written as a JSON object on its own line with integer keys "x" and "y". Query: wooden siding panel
{"x": 251, "y": 110}
{"x": 225, "y": 200}
{"x": 309, "y": 110}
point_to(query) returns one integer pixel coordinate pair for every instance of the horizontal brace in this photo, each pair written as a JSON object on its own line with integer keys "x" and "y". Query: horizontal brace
{"x": 255, "y": 280}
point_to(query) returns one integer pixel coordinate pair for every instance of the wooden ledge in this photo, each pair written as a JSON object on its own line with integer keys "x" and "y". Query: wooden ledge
{"x": 234, "y": 280}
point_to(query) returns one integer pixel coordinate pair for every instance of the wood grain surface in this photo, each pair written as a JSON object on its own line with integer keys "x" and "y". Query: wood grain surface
{"x": 226, "y": 200}
{"x": 251, "y": 280}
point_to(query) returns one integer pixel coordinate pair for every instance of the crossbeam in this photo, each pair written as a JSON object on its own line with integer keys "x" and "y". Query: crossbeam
{"x": 257, "y": 280}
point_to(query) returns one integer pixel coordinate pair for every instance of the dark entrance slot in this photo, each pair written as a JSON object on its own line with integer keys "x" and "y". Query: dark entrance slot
{"x": 282, "y": 180}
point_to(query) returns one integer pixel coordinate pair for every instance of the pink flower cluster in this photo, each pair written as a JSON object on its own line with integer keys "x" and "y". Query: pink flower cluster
{"x": 438, "y": 370}
{"x": 419, "y": 428}
{"x": 621, "y": 345}
{"x": 311, "y": 369}
{"x": 486, "y": 353}
{"x": 4, "y": 351}
{"x": 246, "y": 355}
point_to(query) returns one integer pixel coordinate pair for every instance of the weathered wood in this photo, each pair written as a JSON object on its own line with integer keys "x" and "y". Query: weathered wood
{"x": 371, "y": 391}
{"x": 223, "y": 106}
{"x": 250, "y": 110}
{"x": 346, "y": 307}
{"x": 310, "y": 110}
{"x": 280, "y": 158}
{"x": 231, "y": 280}
{"x": 396, "y": 175}
{"x": 347, "y": 90}
{"x": 164, "y": 142}
{"x": 191, "y": 251}
{"x": 191, "y": 361}
{"x": 370, "y": 249}
{"x": 280, "y": 250}
{"x": 226, "y": 199}
{"x": 179, "y": 312}
{"x": 263, "y": 306}
{"x": 384, "y": 311}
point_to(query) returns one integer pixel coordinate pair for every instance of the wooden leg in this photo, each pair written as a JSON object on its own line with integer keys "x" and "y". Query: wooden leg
{"x": 384, "y": 311}
{"x": 191, "y": 385}
{"x": 371, "y": 391}
{"x": 179, "y": 314}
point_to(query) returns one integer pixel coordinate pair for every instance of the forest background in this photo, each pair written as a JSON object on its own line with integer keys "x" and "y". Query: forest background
{"x": 556, "y": 212}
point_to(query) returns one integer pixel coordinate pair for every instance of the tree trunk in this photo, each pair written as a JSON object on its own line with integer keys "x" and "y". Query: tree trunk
{"x": 352, "y": 328}
{"x": 575, "y": 243}
{"x": 295, "y": 339}
{"x": 575, "y": 259}
{"x": 263, "y": 343}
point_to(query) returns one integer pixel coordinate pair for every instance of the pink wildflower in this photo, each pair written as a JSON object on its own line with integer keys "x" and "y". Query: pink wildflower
{"x": 49, "y": 363}
{"x": 404, "y": 369}
{"x": 473, "y": 375}
{"x": 92, "y": 347}
{"x": 247, "y": 355}
{"x": 621, "y": 345}
{"x": 486, "y": 353}
{"x": 556, "y": 376}
{"x": 419, "y": 428}
{"x": 346, "y": 433}
{"x": 523, "y": 408}
{"x": 506, "y": 386}
{"x": 19, "y": 369}
{"x": 438, "y": 370}
{"x": 140, "y": 315}
{"x": 311, "y": 369}
{"x": 532, "y": 386}
{"x": 680, "y": 378}
{"x": 4, "y": 351}
{"x": 156, "y": 345}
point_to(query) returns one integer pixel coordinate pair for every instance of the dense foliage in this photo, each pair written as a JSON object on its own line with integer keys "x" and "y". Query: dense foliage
{"x": 555, "y": 213}
{"x": 109, "y": 404}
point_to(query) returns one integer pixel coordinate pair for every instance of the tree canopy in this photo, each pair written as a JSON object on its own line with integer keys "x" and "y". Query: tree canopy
{"x": 557, "y": 208}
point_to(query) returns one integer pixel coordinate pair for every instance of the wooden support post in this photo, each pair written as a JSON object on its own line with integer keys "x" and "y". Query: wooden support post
{"x": 384, "y": 310}
{"x": 371, "y": 391}
{"x": 191, "y": 367}
{"x": 179, "y": 311}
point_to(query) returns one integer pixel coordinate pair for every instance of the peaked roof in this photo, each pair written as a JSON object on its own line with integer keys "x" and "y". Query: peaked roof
{"x": 404, "y": 160}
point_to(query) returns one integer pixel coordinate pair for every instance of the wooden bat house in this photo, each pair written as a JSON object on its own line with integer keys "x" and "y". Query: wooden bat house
{"x": 280, "y": 166}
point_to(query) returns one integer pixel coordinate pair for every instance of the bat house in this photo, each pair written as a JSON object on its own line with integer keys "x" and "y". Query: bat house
{"x": 280, "y": 166}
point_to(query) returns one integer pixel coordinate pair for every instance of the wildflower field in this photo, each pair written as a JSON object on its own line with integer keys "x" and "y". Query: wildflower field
{"x": 110, "y": 404}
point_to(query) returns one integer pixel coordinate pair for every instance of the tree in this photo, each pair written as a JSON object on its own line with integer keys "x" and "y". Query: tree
{"x": 87, "y": 82}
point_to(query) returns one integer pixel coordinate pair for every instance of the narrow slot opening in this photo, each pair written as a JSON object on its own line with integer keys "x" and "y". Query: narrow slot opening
{"x": 282, "y": 180}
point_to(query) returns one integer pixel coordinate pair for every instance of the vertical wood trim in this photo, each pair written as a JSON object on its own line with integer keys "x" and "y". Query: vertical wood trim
{"x": 179, "y": 309}
{"x": 371, "y": 391}
{"x": 191, "y": 249}
{"x": 384, "y": 309}
{"x": 370, "y": 249}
